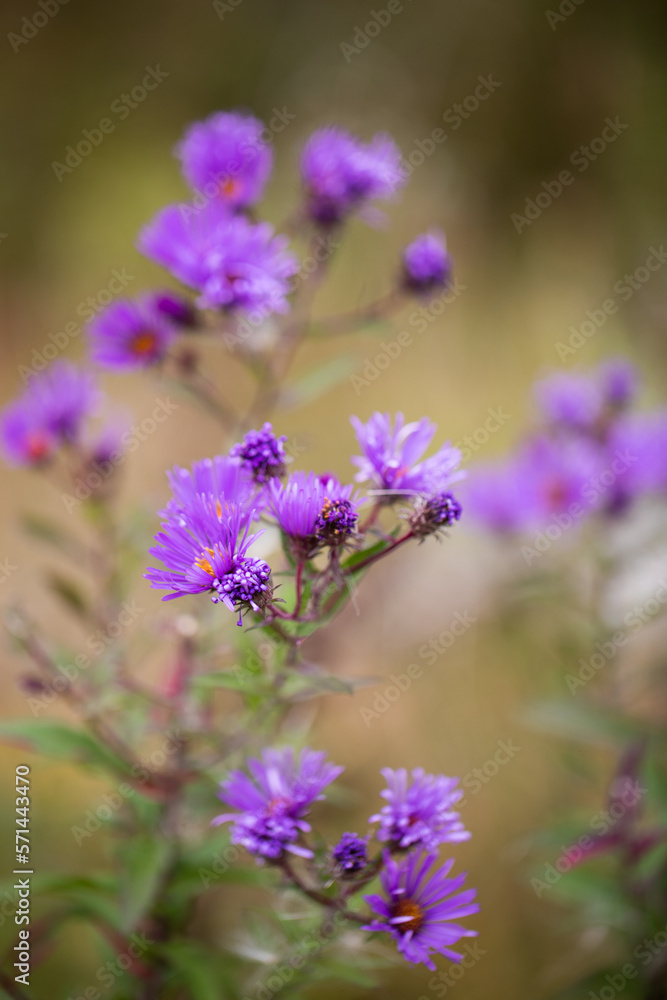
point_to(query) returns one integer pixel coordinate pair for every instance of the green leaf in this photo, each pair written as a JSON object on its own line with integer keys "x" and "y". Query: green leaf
{"x": 144, "y": 861}
{"x": 320, "y": 380}
{"x": 197, "y": 971}
{"x": 61, "y": 742}
{"x": 237, "y": 679}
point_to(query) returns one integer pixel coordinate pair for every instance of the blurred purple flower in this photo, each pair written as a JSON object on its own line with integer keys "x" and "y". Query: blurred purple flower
{"x": 233, "y": 263}
{"x": 426, "y": 263}
{"x": 572, "y": 400}
{"x": 391, "y": 456}
{"x": 25, "y": 438}
{"x": 342, "y": 174}
{"x": 51, "y": 411}
{"x": 419, "y": 813}
{"x": 420, "y": 907}
{"x": 226, "y": 153}
{"x": 271, "y": 805}
{"x": 131, "y": 334}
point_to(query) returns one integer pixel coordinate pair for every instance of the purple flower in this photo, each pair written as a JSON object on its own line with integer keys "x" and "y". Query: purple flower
{"x": 419, "y": 813}
{"x": 419, "y": 908}
{"x": 220, "y": 479}
{"x": 350, "y": 854}
{"x": 25, "y": 438}
{"x": 618, "y": 380}
{"x": 572, "y": 400}
{"x": 639, "y": 442}
{"x": 312, "y": 510}
{"x": 204, "y": 549}
{"x": 271, "y": 805}
{"x": 64, "y": 396}
{"x": 262, "y": 454}
{"x": 431, "y": 514}
{"x": 233, "y": 263}
{"x": 131, "y": 334}
{"x": 341, "y": 173}
{"x": 426, "y": 263}
{"x": 496, "y": 496}
{"x": 51, "y": 411}
{"x": 391, "y": 457}
{"x": 226, "y": 154}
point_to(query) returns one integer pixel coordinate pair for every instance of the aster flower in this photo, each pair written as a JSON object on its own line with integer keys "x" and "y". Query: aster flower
{"x": 618, "y": 380}
{"x": 640, "y": 441}
{"x": 391, "y": 456}
{"x": 63, "y": 396}
{"x": 572, "y": 400}
{"x": 131, "y": 334}
{"x": 262, "y": 454}
{"x": 350, "y": 854}
{"x": 233, "y": 263}
{"x": 204, "y": 550}
{"x": 313, "y": 511}
{"x": 271, "y": 804}
{"x": 426, "y": 263}
{"x": 342, "y": 174}
{"x": 220, "y": 479}
{"x": 420, "y": 908}
{"x": 226, "y": 152}
{"x": 419, "y": 813}
{"x": 432, "y": 514}
{"x": 496, "y": 496}
{"x": 25, "y": 438}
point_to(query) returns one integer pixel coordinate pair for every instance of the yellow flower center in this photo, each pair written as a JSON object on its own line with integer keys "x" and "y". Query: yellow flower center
{"x": 144, "y": 343}
{"x": 205, "y": 563}
{"x": 406, "y": 908}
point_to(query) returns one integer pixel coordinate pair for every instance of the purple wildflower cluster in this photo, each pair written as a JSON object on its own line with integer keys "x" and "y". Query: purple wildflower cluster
{"x": 594, "y": 453}
{"x": 205, "y": 537}
{"x": 420, "y": 904}
{"x": 235, "y": 265}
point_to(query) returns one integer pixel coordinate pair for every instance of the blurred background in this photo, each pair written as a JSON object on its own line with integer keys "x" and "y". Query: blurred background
{"x": 558, "y": 73}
